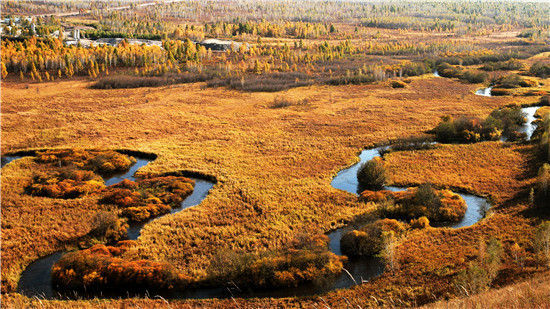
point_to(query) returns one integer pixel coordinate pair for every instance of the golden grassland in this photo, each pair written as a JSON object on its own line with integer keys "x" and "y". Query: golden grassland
{"x": 486, "y": 168}
{"x": 274, "y": 168}
{"x": 532, "y": 293}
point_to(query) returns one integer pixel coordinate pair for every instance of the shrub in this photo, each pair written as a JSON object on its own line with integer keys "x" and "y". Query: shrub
{"x": 504, "y": 121}
{"x": 271, "y": 82}
{"x": 512, "y": 64}
{"x": 372, "y": 174}
{"x": 436, "y": 205}
{"x": 473, "y": 77}
{"x": 541, "y": 243}
{"x": 427, "y": 196}
{"x": 415, "y": 69}
{"x": 101, "y": 268}
{"x": 287, "y": 268}
{"x": 420, "y": 223}
{"x": 397, "y": 84}
{"x": 543, "y": 187}
{"x": 447, "y": 70}
{"x": 148, "y": 198}
{"x": 460, "y": 130}
{"x": 106, "y": 226}
{"x": 130, "y": 81}
{"x": 509, "y": 81}
{"x": 540, "y": 69}
{"x": 103, "y": 162}
{"x": 67, "y": 183}
{"x": 369, "y": 241}
{"x": 479, "y": 275}
{"x": 281, "y": 102}
{"x": 542, "y": 135}
{"x": 508, "y": 120}
{"x": 351, "y": 80}
{"x": 412, "y": 143}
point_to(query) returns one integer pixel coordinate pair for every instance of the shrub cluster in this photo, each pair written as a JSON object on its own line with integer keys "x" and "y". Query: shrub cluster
{"x": 412, "y": 143}
{"x": 474, "y": 77}
{"x": 372, "y": 174}
{"x": 271, "y": 82}
{"x": 132, "y": 81}
{"x": 503, "y": 122}
{"x": 103, "y": 162}
{"x": 307, "y": 263}
{"x": 436, "y": 205}
{"x": 513, "y": 81}
{"x": 397, "y": 84}
{"x": 543, "y": 187}
{"x": 148, "y": 198}
{"x": 101, "y": 268}
{"x": 540, "y": 69}
{"x": 510, "y": 65}
{"x": 108, "y": 227}
{"x": 357, "y": 79}
{"x": 66, "y": 183}
{"x": 282, "y": 102}
{"x": 480, "y": 273}
{"x": 369, "y": 240}
{"x": 420, "y": 223}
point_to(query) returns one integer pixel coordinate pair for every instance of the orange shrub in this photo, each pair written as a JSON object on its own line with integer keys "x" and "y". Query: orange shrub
{"x": 104, "y": 162}
{"x": 369, "y": 240}
{"x": 444, "y": 206}
{"x": 148, "y": 198}
{"x": 67, "y": 183}
{"x": 306, "y": 261}
{"x": 100, "y": 267}
{"x": 420, "y": 223}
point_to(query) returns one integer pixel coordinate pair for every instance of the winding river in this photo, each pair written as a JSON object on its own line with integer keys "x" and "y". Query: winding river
{"x": 529, "y": 126}
{"x": 35, "y": 280}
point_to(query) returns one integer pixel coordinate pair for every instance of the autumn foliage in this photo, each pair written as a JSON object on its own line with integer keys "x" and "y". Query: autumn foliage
{"x": 436, "y": 205}
{"x": 368, "y": 240}
{"x": 67, "y": 183}
{"x": 305, "y": 261}
{"x": 103, "y": 162}
{"x": 148, "y": 198}
{"x": 101, "y": 267}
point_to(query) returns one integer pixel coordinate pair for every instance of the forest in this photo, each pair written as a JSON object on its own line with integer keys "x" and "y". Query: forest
{"x": 243, "y": 154}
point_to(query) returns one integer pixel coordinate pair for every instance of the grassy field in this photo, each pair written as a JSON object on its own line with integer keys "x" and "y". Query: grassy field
{"x": 274, "y": 167}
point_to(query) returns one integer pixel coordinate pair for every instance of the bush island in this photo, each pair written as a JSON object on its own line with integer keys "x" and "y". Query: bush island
{"x": 307, "y": 260}
{"x": 103, "y": 162}
{"x": 514, "y": 81}
{"x": 101, "y": 268}
{"x": 503, "y": 122}
{"x": 474, "y": 77}
{"x": 372, "y": 174}
{"x": 435, "y": 205}
{"x": 510, "y": 65}
{"x": 368, "y": 240}
{"x": 540, "y": 69}
{"x": 148, "y": 198}
{"x": 67, "y": 183}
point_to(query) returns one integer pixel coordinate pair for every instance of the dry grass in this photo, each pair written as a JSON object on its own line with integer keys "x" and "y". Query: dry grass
{"x": 489, "y": 168}
{"x": 532, "y": 293}
{"x": 274, "y": 167}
